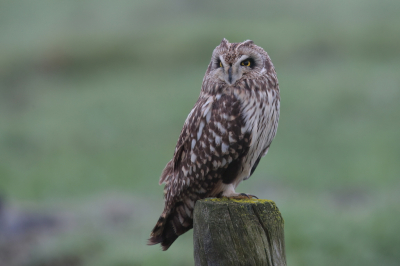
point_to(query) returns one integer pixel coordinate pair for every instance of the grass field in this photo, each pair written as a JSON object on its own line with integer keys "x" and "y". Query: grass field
{"x": 93, "y": 95}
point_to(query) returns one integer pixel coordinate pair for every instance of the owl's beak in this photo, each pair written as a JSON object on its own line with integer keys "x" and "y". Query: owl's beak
{"x": 230, "y": 75}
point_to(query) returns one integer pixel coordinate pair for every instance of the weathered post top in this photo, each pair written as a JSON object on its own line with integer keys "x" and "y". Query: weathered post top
{"x": 238, "y": 232}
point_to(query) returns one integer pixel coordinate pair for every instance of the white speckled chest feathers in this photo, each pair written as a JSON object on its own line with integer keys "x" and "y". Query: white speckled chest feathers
{"x": 260, "y": 111}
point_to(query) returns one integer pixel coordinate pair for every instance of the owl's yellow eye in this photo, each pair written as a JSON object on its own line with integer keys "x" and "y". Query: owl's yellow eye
{"x": 246, "y": 63}
{"x": 220, "y": 64}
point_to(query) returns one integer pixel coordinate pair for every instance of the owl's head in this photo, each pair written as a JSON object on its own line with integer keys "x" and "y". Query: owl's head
{"x": 232, "y": 62}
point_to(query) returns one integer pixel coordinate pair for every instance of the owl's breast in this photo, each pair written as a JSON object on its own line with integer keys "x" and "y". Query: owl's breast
{"x": 260, "y": 114}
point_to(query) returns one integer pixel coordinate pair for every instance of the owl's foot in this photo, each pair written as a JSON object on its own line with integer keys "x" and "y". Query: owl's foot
{"x": 241, "y": 196}
{"x": 229, "y": 192}
{"x": 248, "y": 195}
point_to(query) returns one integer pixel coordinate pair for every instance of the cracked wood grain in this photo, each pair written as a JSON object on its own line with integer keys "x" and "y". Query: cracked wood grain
{"x": 238, "y": 232}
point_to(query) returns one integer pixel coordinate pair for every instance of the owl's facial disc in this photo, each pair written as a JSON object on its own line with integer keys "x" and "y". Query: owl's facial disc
{"x": 231, "y": 72}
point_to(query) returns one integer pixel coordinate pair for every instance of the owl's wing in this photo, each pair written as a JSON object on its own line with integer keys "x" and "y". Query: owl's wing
{"x": 192, "y": 122}
{"x": 210, "y": 149}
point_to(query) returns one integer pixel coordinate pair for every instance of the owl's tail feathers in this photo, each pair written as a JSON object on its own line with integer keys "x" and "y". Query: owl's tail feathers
{"x": 170, "y": 226}
{"x": 158, "y": 235}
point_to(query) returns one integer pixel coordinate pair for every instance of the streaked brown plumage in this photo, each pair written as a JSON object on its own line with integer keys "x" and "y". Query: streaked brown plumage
{"x": 224, "y": 137}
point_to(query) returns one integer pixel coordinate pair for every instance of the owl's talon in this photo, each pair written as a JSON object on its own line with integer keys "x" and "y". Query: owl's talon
{"x": 248, "y": 195}
{"x": 241, "y": 196}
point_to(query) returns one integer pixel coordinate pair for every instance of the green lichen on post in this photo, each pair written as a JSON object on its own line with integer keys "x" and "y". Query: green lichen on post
{"x": 238, "y": 232}
{"x": 250, "y": 200}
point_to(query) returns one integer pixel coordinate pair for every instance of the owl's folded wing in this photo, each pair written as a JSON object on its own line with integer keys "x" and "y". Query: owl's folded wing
{"x": 209, "y": 150}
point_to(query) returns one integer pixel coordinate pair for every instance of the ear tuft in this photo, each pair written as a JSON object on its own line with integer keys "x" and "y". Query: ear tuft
{"x": 224, "y": 43}
{"x": 247, "y": 42}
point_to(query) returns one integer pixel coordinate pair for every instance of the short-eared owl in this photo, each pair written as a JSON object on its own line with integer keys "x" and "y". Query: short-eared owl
{"x": 229, "y": 129}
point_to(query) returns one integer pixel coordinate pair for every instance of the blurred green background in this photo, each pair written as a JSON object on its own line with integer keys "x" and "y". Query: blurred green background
{"x": 93, "y": 95}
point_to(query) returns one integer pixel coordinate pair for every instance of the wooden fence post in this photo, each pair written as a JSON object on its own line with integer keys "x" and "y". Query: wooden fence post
{"x": 238, "y": 232}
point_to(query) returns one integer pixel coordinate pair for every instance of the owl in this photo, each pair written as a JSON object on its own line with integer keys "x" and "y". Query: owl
{"x": 229, "y": 129}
